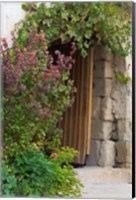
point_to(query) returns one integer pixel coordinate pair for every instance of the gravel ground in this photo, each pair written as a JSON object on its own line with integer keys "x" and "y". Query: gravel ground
{"x": 105, "y": 182}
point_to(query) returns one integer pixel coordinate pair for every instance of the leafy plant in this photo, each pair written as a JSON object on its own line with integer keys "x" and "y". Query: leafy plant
{"x": 37, "y": 92}
{"x": 9, "y": 181}
{"x": 40, "y": 176}
{"x": 38, "y": 89}
{"x": 87, "y": 24}
{"x": 122, "y": 78}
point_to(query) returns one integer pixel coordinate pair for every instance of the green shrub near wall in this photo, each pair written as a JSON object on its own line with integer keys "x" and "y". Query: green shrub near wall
{"x": 37, "y": 90}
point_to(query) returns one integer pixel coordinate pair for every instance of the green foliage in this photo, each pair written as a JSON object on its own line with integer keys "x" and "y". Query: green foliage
{"x": 40, "y": 176}
{"x": 9, "y": 181}
{"x": 37, "y": 90}
{"x": 122, "y": 78}
{"x": 85, "y": 23}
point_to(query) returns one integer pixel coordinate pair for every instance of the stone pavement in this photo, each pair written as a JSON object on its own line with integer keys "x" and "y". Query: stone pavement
{"x": 105, "y": 182}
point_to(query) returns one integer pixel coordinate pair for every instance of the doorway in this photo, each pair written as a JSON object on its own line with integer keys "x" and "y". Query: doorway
{"x": 76, "y": 123}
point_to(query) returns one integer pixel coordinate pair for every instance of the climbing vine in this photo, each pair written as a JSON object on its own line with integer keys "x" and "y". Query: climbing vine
{"x": 87, "y": 24}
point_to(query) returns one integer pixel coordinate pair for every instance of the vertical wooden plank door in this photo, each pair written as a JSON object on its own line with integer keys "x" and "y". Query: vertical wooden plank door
{"x": 76, "y": 123}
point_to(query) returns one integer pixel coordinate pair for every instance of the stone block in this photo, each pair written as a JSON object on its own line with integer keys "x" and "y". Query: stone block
{"x": 92, "y": 159}
{"x": 107, "y": 109}
{"x": 124, "y": 130}
{"x": 124, "y": 152}
{"x": 97, "y": 129}
{"x": 101, "y": 130}
{"x": 120, "y": 63}
{"x": 122, "y": 102}
{"x": 103, "y": 69}
{"x": 128, "y": 165}
{"x": 121, "y": 109}
{"x": 107, "y": 154}
{"x": 96, "y": 107}
{"x": 99, "y": 87}
{"x": 125, "y": 165}
{"x": 108, "y": 86}
{"x": 100, "y": 54}
{"x": 102, "y": 87}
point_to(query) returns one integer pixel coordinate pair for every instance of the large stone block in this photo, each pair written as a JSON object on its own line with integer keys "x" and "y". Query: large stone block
{"x": 97, "y": 129}
{"x": 107, "y": 154}
{"x": 99, "y": 87}
{"x": 120, "y": 63}
{"x": 122, "y": 101}
{"x": 124, "y": 152}
{"x": 103, "y": 69}
{"x": 107, "y": 109}
{"x": 96, "y": 107}
{"x": 122, "y": 108}
{"x": 93, "y": 158}
{"x": 125, "y": 165}
{"x": 102, "y": 87}
{"x": 100, "y": 54}
{"x": 101, "y": 130}
{"x": 124, "y": 130}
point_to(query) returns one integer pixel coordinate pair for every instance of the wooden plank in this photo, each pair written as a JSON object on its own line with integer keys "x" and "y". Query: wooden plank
{"x": 87, "y": 99}
{"x": 90, "y": 101}
{"x": 80, "y": 124}
{"x": 85, "y": 105}
{"x": 77, "y": 104}
{"x": 72, "y": 108}
{"x": 71, "y": 115}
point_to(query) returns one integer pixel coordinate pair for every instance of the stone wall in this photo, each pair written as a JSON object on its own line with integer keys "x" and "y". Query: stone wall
{"x": 111, "y": 132}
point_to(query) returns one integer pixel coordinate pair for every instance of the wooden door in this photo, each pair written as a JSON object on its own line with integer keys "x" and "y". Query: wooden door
{"x": 76, "y": 123}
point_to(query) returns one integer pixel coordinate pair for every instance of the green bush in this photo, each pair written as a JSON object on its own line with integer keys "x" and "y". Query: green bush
{"x": 37, "y": 90}
{"x": 40, "y": 176}
{"x": 9, "y": 181}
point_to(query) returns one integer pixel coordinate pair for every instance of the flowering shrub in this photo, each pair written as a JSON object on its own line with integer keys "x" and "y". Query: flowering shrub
{"x": 37, "y": 90}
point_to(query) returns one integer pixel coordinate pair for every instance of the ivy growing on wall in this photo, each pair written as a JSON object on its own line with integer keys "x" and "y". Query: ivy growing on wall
{"x": 87, "y": 24}
{"x": 122, "y": 78}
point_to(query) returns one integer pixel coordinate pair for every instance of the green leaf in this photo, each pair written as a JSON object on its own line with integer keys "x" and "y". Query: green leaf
{"x": 88, "y": 35}
{"x": 122, "y": 78}
{"x": 83, "y": 52}
{"x": 11, "y": 52}
{"x": 86, "y": 44}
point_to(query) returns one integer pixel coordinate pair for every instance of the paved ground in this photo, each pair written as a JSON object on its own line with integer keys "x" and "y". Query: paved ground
{"x": 105, "y": 182}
